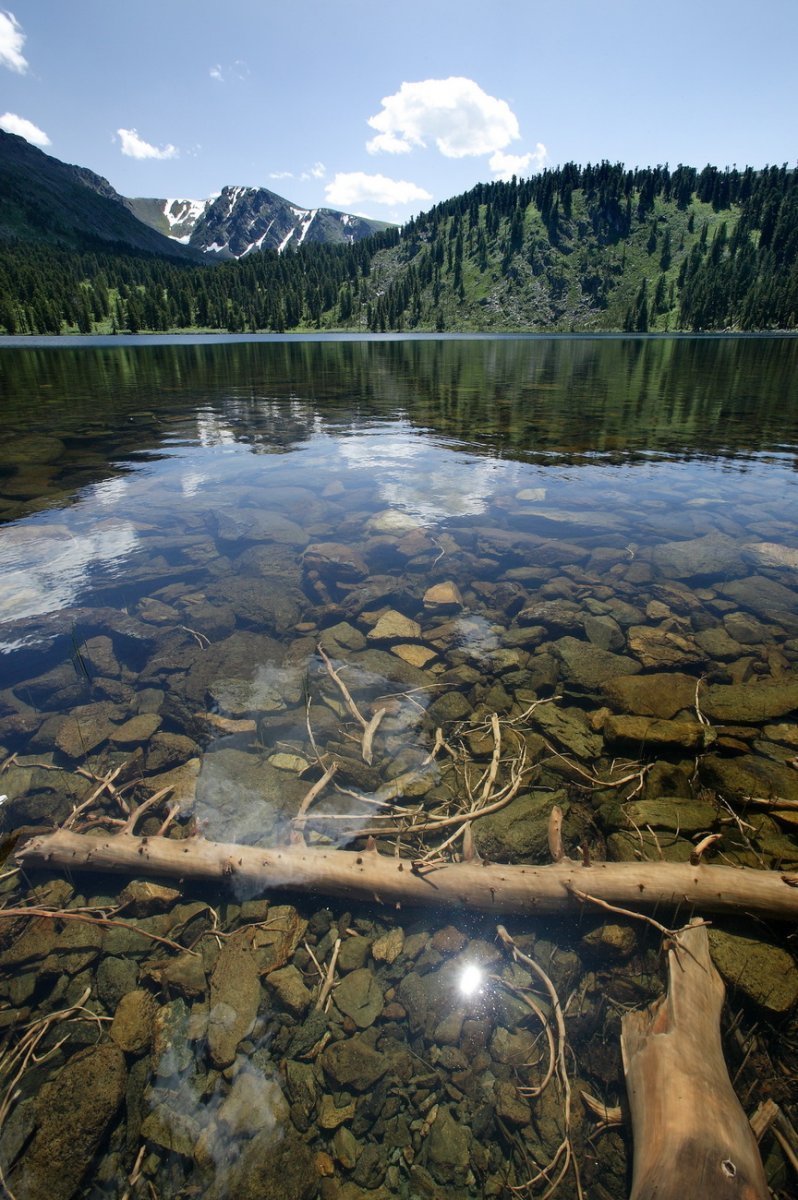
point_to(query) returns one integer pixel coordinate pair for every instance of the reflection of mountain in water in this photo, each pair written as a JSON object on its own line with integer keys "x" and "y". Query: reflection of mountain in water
{"x": 539, "y": 399}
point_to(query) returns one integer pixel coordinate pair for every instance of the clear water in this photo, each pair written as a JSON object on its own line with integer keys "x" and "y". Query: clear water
{"x": 183, "y": 522}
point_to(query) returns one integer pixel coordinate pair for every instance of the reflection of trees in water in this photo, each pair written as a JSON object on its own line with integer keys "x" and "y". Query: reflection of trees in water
{"x": 525, "y": 397}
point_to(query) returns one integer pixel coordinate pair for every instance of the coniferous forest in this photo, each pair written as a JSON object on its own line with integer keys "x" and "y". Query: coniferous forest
{"x": 572, "y": 249}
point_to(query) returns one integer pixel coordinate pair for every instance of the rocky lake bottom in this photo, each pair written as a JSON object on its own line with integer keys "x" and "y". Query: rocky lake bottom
{"x": 616, "y": 638}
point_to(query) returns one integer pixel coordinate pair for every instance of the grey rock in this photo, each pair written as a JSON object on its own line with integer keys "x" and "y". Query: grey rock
{"x": 258, "y": 525}
{"x": 715, "y": 554}
{"x": 659, "y": 695}
{"x": 447, "y": 1149}
{"x": 353, "y": 1064}
{"x": 589, "y": 666}
{"x": 289, "y": 987}
{"x": 235, "y": 996}
{"x": 360, "y": 997}
{"x": 765, "y": 597}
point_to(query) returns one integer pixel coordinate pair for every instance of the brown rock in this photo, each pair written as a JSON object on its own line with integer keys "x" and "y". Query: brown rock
{"x": 132, "y": 1026}
{"x": 73, "y": 1112}
{"x": 443, "y": 596}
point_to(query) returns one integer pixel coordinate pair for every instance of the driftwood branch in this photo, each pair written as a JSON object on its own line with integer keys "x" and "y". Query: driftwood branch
{"x": 691, "y": 1135}
{"x": 372, "y": 877}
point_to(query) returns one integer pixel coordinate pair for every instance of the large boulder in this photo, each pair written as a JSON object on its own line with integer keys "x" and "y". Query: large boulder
{"x": 73, "y": 1113}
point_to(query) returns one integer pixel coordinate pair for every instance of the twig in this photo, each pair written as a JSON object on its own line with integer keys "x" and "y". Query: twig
{"x": 62, "y": 914}
{"x": 133, "y": 820}
{"x": 368, "y": 735}
{"x": 329, "y": 979}
{"x": 310, "y": 796}
{"x": 565, "y": 1148}
{"x": 344, "y": 690}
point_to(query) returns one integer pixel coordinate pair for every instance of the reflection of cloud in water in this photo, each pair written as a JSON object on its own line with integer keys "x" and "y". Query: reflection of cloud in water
{"x": 43, "y": 568}
{"x": 242, "y": 797}
{"x": 429, "y": 482}
{"x": 192, "y": 482}
{"x": 476, "y": 636}
{"x": 211, "y": 431}
{"x": 110, "y": 491}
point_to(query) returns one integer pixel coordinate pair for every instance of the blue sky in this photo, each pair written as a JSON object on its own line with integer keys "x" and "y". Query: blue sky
{"x": 384, "y": 109}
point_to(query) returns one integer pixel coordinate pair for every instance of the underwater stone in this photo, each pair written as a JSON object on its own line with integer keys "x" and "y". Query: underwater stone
{"x": 660, "y": 695}
{"x": 657, "y": 646}
{"x": 289, "y": 987}
{"x": 520, "y": 832}
{"x": 353, "y": 1064}
{"x": 443, "y": 596}
{"x": 589, "y": 665}
{"x": 132, "y": 1026}
{"x": 137, "y": 730}
{"x": 689, "y": 736}
{"x": 751, "y": 703}
{"x": 73, "y": 1113}
{"x": 235, "y": 996}
{"x": 394, "y": 626}
{"x": 447, "y": 1149}
{"x": 714, "y": 554}
{"x": 360, "y": 997}
{"x": 765, "y": 973}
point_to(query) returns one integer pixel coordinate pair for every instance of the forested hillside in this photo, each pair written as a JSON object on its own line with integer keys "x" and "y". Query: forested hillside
{"x": 592, "y": 248}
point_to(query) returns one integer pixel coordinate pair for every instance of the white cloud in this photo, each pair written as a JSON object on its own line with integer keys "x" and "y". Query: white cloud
{"x": 135, "y": 147}
{"x": 317, "y": 171}
{"x": 455, "y": 113}
{"x": 354, "y": 187}
{"x": 504, "y": 166}
{"x": 12, "y": 39}
{"x": 31, "y": 133}
{"x": 236, "y": 70}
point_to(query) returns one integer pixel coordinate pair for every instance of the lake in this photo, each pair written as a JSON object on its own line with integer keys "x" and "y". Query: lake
{"x": 538, "y": 571}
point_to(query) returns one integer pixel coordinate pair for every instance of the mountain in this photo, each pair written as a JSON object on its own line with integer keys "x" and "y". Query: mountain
{"x": 175, "y": 219}
{"x": 242, "y": 219}
{"x": 593, "y": 248}
{"x": 43, "y": 199}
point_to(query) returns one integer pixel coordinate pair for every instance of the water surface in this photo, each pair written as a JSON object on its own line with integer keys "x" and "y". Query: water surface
{"x": 593, "y": 539}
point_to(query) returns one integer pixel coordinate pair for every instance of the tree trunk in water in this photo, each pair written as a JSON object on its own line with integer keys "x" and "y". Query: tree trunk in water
{"x": 691, "y": 1136}
{"x": 370, "y": 877}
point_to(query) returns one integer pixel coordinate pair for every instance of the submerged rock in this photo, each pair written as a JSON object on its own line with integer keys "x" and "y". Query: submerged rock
{"x": 660, "y": 695}
{"x": 712, "y": 555}
{"x": 235, "y": 996}
{"x": 651, "y": 732}
{"x": 765, "y": 973}
{"x": 520, "y": 832}
{"x": 589, "y": 666}
{"x": 443, "y": 596}
{"x": 73, "y": 1112}
{"x": 393, "y": 626}
{"x": 360, "y": 997}
{"x": 353, "y": 1064}
{"x": 751, "y": 703}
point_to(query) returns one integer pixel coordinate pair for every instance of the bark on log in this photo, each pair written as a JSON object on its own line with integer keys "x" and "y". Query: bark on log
{"x": 370, "y": 877}
{"x": 691, "y": 1136}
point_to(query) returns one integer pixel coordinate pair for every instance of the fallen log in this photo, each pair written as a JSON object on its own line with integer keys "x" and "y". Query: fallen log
{"x": 691, "y": 1136}
{"x": 369, "y": 876}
